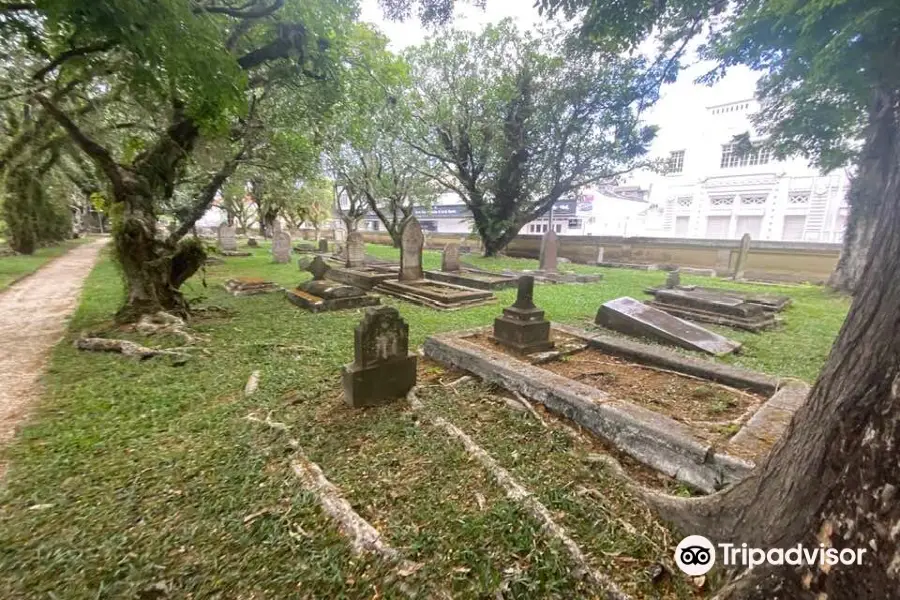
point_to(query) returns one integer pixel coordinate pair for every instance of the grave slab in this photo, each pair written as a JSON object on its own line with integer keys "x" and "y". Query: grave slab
{"x": 652, "y": 438}
{"x": 768, "y": 302}
{"x": 632, "y": 317}
{"x": 477, "y": 280}
{"x": 713, "y": 308}
{"x": 320, "y": 295}
{"x": 249, "y": 286}
{"x": 383, "y": 369}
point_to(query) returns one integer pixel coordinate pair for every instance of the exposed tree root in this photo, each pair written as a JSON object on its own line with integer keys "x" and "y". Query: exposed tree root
{"x": 164, "y": 323}
{"x": 124, "y": 347}
{"x": 515, "y": 491}
{"x": 524, "y": 402}
{"x": 363, "y": 537}
{"x": 252, "y": 384}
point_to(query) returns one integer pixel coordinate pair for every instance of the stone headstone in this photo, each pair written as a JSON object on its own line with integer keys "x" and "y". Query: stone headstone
{"x": 411, "y": 242}
{"x": 276, "y": 227}
{"x": 632, "y": 317}
{"x": 450, "y": 258}
{"x": 323, "y": 245}
{"x": 252, "y": 243}
{"x": 550, "y": 252}
{"x": 318, "y": 267}
{"x": 383, "y": 369}
{"x": 227, "y": 238}
{"x": 742, "y": 257}
{"x": 356, "y": 250}
{"x": 673, "y": 280}
{"x": 522, "y": 327}
{"x": 281, "y": 247}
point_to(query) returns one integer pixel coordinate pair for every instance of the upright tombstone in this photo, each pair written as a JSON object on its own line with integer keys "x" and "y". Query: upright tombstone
{"x": 356, "y": 250}
{"x": 742, "y": 257}
{"x": 383, "y": 368}
{"x": 281, "y": 247}
{"x": 551, "y": 250}
{"x": 323, "y": 245}
{"x": 227, "y": 238}
{"x": 673, "y": 279}
{"x": 450, "y": 258}
{"x": 522, "y": 327}
{"x": 411, "y": 243}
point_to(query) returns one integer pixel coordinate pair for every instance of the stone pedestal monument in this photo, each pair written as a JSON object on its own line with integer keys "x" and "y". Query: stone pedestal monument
{"x": 383, "y": 368}
{"x": 522, "y": 327}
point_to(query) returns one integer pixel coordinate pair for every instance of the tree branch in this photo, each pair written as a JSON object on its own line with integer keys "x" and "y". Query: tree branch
{"x": 72, "y": 53}
{"x": 16, "y": 6}
{"x": 290, "y": 37}
{"x": 241, "y": 12}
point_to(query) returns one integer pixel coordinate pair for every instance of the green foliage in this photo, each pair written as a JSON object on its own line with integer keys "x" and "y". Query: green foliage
{"x": 513, "y": 122}
{"x": 34, "y": 216}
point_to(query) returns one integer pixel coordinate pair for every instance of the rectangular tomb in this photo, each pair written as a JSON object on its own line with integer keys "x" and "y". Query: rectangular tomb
{"x": 443, "y": 296}
{"x": 703, "y": 423}
{"x": 366, "y": 277}
{"x": 248, "y": 286}
{"x": 474, "y": 279}
{"x": 713, "y": 308}
{"x": 768, "y": 302}
{"x": 632, "y": 317}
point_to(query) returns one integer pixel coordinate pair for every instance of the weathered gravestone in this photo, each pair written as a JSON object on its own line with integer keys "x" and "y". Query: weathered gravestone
{"x": 411, "y": 242}
{"x": 522, "y": 327}
{"x": 227, "y": 238}
{"x": 323, "y": 246}
{"x": 249, "y": 286}
{"x": 742, "y": 257}
{"x": 321, "y": 295}
{"x": 450, "y": 258}
{"x": 549, "y": 252}
{"x": 252, "y": 242}
{"x": 383, "y": 369}
{"x": 632, "y": 317}
{"x": 673, "y": 279}
{"x": 356, "y": 250}
{"x": 281, "y": 247}
{"x": 714, "y": 307}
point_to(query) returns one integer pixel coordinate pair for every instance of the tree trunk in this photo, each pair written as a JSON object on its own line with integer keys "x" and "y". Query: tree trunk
{"x": 833, "y": 477}
{"x": 153, "y": 268}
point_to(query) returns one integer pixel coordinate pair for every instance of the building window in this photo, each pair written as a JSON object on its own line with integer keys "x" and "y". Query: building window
{"x": 574, "y": 224}
{"x": 800, "y": 198}
{"x": 793, "y": 227}
{"x": 676, "y": 161}
{"x": 557, "y": 227}
{"x": 685, "y": 202}
{"x": 751, "y": 200}
{"x": 717, "y": 227}
{"x": 758, "y": 155}
{"x": 748, "y": 224}
{"x": 681, "y": 226}
{"x": 721, "y": 201}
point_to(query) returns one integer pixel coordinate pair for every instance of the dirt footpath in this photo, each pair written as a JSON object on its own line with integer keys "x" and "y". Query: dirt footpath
{"x": 33, "y": 315}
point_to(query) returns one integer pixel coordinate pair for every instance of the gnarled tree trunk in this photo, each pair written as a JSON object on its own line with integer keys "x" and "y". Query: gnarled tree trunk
{"x": 833, "y": 478}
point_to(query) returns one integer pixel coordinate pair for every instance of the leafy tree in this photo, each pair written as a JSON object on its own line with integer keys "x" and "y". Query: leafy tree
{"x": 831, "y": 76}
{"x": 515, "y": 122}
{"x": 260, "y": 51}
{"x": 234, "y": 201}
{"x": 312, "y": 204}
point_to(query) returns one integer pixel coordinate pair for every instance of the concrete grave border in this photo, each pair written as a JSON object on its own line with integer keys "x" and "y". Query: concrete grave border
{"x": 649, "y": 437}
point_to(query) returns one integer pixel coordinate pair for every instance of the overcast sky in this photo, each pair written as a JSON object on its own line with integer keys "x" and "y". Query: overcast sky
{"x": 682, "y": 102}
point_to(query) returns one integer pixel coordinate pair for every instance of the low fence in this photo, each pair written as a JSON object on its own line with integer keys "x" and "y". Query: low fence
{"x": 764, "y": 260}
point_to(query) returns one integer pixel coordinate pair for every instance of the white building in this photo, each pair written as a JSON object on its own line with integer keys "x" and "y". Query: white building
{"x": 619, "y": 211}
{"x": 714, "y": 192}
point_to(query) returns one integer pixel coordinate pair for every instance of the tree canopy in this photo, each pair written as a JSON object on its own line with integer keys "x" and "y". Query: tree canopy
{"x": 516, "y": 121}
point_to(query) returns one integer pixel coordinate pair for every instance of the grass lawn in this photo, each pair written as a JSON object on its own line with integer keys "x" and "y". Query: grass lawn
{"x": 133, "y": 478}
{"x": 13, "y": 268}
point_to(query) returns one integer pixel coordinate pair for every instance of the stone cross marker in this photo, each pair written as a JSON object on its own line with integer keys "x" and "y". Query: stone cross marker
{"x": 323, "y": 245}
{"x": 356, "y": 250}
{"x": 411, "y": 243}
{"x": 551, "y": 249}
{"x": 281, "y": 247}
{"x": 227, "y": 238}
{"x": 450, "y": 258}
{"x": 522, "y": 326}
{"x": 383, "y": 369}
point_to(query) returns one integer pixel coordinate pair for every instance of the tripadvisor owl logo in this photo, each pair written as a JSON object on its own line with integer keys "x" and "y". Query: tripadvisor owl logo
{"x": 695, "y": 555}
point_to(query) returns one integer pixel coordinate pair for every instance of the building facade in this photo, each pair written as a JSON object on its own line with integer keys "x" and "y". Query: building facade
{"x": 714, "y": 191}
